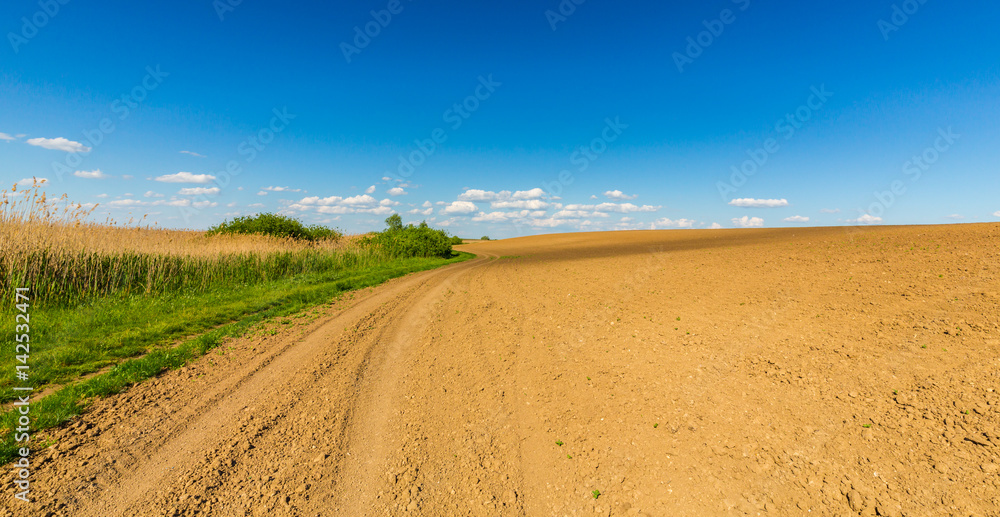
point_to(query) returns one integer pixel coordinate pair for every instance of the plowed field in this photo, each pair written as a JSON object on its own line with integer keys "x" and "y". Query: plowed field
{"x": 824, "y": 371}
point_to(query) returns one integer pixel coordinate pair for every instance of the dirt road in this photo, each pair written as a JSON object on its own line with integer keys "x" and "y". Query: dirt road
{"x": 782, "y": 372}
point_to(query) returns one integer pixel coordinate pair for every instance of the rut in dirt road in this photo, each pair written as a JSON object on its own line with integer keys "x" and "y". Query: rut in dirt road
{"x": 273, "y": 425}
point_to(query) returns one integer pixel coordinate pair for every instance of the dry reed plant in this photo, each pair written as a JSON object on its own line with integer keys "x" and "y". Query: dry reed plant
{"x": 48, "y": 244}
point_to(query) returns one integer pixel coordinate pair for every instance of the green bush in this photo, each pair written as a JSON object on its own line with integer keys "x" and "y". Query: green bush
{"x": 456, "y": 241}
{"x": 484, "y": 238}
{"x": 400, "y": 241}
{"x": 276, "y": 226}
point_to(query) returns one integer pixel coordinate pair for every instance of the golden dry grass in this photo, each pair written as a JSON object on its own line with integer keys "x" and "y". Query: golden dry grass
{"x": 50, "y": 245}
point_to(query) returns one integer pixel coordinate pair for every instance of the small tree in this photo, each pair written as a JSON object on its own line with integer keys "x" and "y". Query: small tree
{"x": 394, "y": 222}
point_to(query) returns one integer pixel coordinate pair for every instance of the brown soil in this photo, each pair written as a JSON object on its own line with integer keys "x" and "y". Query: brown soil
{"x": 784, "y": 372}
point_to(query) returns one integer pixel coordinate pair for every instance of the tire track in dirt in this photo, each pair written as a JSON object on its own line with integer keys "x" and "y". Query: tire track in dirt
{"x": 377, "y": 395}
{"x": 185, "y": 458}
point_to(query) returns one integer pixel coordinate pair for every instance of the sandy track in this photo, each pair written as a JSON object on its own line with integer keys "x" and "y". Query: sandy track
{"x": 817, "y": 371}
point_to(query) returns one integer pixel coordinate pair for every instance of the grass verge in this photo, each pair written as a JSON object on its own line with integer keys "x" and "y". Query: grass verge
{"x": 133, "y": 334}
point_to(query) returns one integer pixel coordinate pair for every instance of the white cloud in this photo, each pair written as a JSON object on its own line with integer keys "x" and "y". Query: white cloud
{"x": 370, "y": 190}
{"x": 130, "y": 203}
{"x": 624, "y": 208}
{"x": 27, "y": 182}
{"x": 150, "y": 193}
{"x": 955, "y": 217}
{"x": 5, "y": 136}
{"x": 829, "y": 211}
{"x": 495, "y": 217}
{"x": 94, "y": 174}
{"x": 193, "y": 154}
{"x": 524, "y": 216}
{"x": 524, "y": 204}
{"x": 161, "y": 202}
{"x": 427, "y": 204}
{"x": 262, "y": 193}
{"x": 479, "y": 195}
{"x": 577, "y": 214}
{"x": 282, "y": 189}
{"x": 866, "y": 219}
{"x": 417, "y": 211}
{"x": 252, "y": 205}
{"x": 59, "y": 144}
{"x": 396, "y": 191}
{"x": 127, "y": 176}
{"x": 173, "y": 202}
{"x": 324, "y": 209}
{"x": 502, "y": 196}
{"x": 326, "y": 201}
{"x": 996, "y": 214}
{"x": 186, "y": 177}
{"x": 616, "y": 195}
{"x": 101, "y": 196}
{"x": 363, "y": 199}
{"x": 715, "y": 226}
{"x": 796, "y": 219}
{"x": 126, "y": 203}
{"x": 535, "y": 193}
{"x": 758, "y": 203}
{"x": 460, "y": 207}
{"x": 199, "y": 191}
{"x": 336, "y": 205}
{"x": 748, "y": 222}
{"x": 670, "y": 223}
{"x": 550, "y": 222}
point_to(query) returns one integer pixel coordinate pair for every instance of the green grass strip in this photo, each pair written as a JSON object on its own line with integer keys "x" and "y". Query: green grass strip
{"x": 285, "y": 298}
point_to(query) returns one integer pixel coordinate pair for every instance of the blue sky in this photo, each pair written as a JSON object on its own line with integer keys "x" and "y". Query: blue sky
{"x": 508, "y": 118}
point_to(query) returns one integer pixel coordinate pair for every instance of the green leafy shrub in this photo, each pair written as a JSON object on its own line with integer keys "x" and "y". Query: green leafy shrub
{"x": 456, "y": 241}
{"x": 484, "y": 238}
{"x": 274, "y": 225}
{"x": 400, "y": 241}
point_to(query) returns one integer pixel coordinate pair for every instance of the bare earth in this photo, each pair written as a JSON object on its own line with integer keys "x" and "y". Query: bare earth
{"x": 820, "y": 371}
